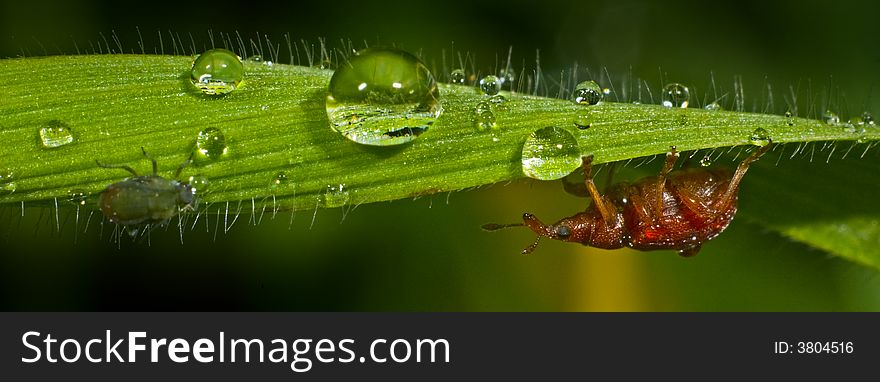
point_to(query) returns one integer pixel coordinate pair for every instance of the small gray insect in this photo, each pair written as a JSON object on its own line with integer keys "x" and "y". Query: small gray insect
{"x": 146, "y": 199}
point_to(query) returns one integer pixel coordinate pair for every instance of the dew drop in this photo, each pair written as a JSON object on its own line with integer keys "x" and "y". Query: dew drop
{"x": 335, "y": 196}
{"x": 675, "y": 95}
{"x": 583, "y": 122}
{"x": 706, "y": 161}
{"x": 868, "y": 118}
{"x": 506, "y": 76}
{"x": 790, "y": 117}
{"x": 55, "y": 134}
{"x": 211, "y": 143}
{"x": 550, "y": 153}
{"x": 588, "y": 93}
{"x": 280, "y": 179}
{"x": 217, "y": 72}
{"x": 382, "y": 97}
{"x": 485, "y": 120}
{"x": 7, "y": 182}
{"x": 77, "y": 197}
{"x": 759, "y": 137}
{"x": 490, "y": 85}
{"x": 831, "y": 118}
{"x": 457, "y": 77}
{"x": 198, "y": 183}
{"x": 714, "y": 106}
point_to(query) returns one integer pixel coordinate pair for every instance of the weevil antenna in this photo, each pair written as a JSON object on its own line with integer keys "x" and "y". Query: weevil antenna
{"x": 122, "y": 166}
{"x": 495, "y": 227}
{"x": 182, "y": 165}
{"x": 152, "y": 160}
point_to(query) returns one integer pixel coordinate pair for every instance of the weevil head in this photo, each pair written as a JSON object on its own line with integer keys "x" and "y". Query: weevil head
{"x": 186, "y": 197}
{"x": 563, "y": 230}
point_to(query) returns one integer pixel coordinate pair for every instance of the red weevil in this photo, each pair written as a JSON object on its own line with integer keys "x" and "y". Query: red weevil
{"x": 677, "y": 210}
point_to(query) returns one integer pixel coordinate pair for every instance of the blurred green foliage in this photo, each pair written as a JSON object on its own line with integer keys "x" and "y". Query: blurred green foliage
{"x": 429, "y": 254}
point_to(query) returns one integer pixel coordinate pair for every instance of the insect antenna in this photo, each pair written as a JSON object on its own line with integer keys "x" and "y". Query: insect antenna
{"x": 122, "y": 166}
{"x": 495, "y": 227}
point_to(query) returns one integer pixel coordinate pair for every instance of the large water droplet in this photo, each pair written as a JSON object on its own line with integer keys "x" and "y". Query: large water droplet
{"x": 759, "y": 137}
{"x": 457, "y": 77}
{"x": 382, "y": 97}
{"x": 831, "y": 118}
{"x": 675, "y": 95}
{"x": 588, "y": 93}
{"x": 55, "y": 134}
{"x": 211, "y": 143}
{"x": 217, "y": 72}
{"x": 550, "y": 153}
{"x": 490, "y": 85}
{"x": 7, "y": 182}
{"x": 335, "y": 196}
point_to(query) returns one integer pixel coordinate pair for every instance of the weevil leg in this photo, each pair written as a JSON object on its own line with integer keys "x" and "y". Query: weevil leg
{"x": 122, "y": 166}
{"x": 600, "y": 203}
{"x": 690, "y": 251}
{"x": 671, "y": 158}
{"x": 732, "y": 188}
{"x": 152, "y": 160}
{"x": 182, "y": 165}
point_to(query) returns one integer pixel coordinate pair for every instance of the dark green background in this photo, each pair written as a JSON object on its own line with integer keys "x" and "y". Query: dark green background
{"x": 429, "y": 254}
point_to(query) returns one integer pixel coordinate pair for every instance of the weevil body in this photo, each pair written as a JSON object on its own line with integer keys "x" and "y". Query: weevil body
{"x": 145, "y": 199}
{"x": 677, "y": 210}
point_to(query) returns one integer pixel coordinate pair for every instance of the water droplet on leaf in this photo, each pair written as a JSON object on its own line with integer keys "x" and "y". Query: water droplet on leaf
{"x": 217, "y": 72}
{"x": 831, "y": 118}
{"x": 457, "y": 77}
{"x": 55, "y": 134}
{"x": 280, "y": 179}
{"x": 550, "y": 153}
{"x": 759, "y": 137}
{"x": 588, "y": 93}
{"x": 490, "y": 85}
{"x": 714, "y": 106}
{"x": 335, "y": 196}
{"x": 198, "y": 183}
{"x": 77, "y": 197}
{"x": 382, "y": 97}
{"x": 486, "y": 120}
{"x": 211, "y": 143}
{"x": 675, "y": 95}
{"x": 583, "y": 122}
{"x": 7, "y": 182}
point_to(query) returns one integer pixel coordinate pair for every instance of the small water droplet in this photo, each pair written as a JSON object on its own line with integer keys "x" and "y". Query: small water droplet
{"x": 335, "y": 196}
{"x": 714, "y": 106}
{"x": 583, "y": 122}
{"x": 831, "y": 118}
{"x": 457, "y": 77}
{"x": 790, "y": 117}
{"x": 55, "y": 134}
{"x": 486, "y": 120}
{"x": 550, "y": 153}
{"x": 497, "y": 99}
{"x": 280, "y": 179}
{"x": 77, "y": 197}
{"x": 675, "y": 95}
{"x": 706, "y": 161}
{"x": 198, "y": 183}
{"x": 490, "y": 85}
{"x": 255, "y": 58}
{"x": 759, "y": 137}
{"x": 868, "y": 118}
{"x": 264, "y": 107}
{"x": 217, "y": 72}
{"x": 211, "y": 143}
{"x": 788, "y": 114}
{"x": 382, "y": 97}
{"x": 506, "y": 77}
{"x": 588, "y": 93}
{"x": 7, "y": 182}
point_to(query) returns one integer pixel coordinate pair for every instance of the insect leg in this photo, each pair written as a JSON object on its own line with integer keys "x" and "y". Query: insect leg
{"x": 155, "y": 166}
{"x": 738, "y": 176}
{"x": 182, "y": 165}
{"x": 671, "y": 158}
{"x": 603, "y": 207}
{"x": 122, "y": 166}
